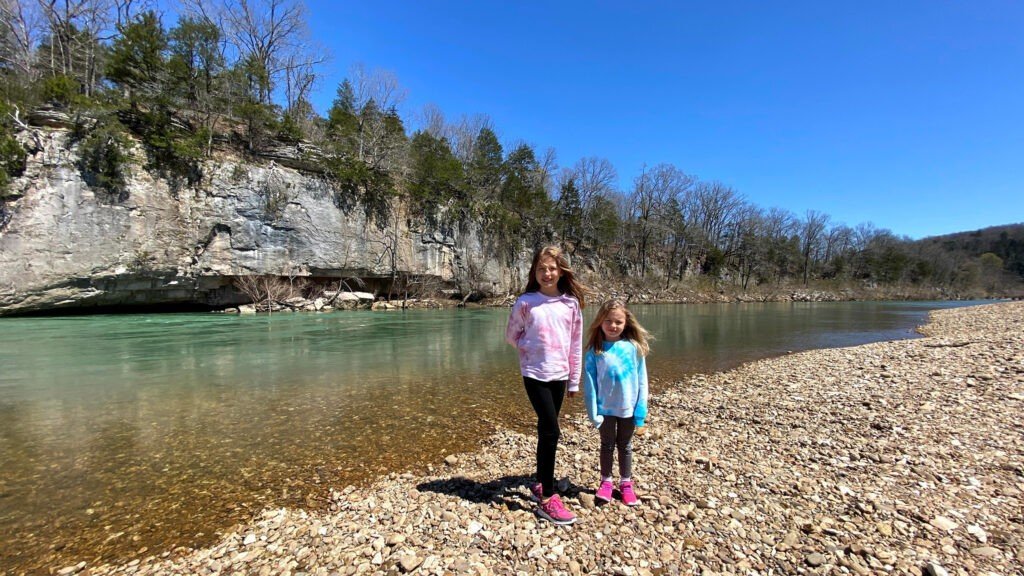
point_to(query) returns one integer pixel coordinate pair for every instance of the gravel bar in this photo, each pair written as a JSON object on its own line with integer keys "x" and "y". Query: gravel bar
{"x": 902, "y": 457}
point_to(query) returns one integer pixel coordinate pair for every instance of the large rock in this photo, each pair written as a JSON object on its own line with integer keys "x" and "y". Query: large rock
{"x": 64, "y": 244}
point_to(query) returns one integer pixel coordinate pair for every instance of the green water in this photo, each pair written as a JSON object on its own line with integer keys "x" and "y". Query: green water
{"x": 123, "y": 436}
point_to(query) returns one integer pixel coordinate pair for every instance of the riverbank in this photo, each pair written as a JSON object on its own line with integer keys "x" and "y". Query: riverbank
{"x": 638, "y": 292}
{"x": 903, "y": 456}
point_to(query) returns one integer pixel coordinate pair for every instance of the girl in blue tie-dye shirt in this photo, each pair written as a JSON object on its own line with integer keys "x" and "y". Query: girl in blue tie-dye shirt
{"x": 615, "y": 391}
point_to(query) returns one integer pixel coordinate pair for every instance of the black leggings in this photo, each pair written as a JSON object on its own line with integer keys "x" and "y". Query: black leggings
{"x": 546, "y": 398}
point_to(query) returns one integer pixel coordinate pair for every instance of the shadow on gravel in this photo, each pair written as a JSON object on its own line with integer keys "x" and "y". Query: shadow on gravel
{"x": 513, "y": 492}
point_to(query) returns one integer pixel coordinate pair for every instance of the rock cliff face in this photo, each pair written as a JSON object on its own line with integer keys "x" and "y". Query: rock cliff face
{"x": 66, "y": 245}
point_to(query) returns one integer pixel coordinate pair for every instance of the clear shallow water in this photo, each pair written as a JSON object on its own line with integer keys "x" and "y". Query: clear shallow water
{"x": 127, "y": 435}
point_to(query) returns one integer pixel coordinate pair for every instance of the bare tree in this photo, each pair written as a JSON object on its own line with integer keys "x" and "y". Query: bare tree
{"x": 838, "y": 248}
{"x": 750, "y": 242}
{"x": 21, "y": 27}
{"x": 779, "y": 226}
{"x": 300, "y": 79}
{"x": 462, "y": 136}
{"x": 76, "y": 28}
{"x": 270, "y": 37}
{"x": 266, "y": 291}
{"x": 594, "y": 176}
{"x": 381, "y": 86}
{"x": 715, "y": 205}
{"x": 811, "y": 236}
{"x": 652, "y": 191}
{"x": 547, "y": 166}
{"x": 378, "y": 139}
{"x": 126, "y": 10}
{"x": 433, "y": 122}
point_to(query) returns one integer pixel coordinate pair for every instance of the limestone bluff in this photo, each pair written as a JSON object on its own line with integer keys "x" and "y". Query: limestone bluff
{"x": 67, "y": 245}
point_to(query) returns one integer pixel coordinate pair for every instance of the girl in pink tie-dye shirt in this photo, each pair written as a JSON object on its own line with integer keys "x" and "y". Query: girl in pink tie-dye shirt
{"x": 546, "y": 326}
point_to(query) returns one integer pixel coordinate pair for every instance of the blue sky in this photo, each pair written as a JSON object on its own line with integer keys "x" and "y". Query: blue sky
{"x": 908, "y": 115}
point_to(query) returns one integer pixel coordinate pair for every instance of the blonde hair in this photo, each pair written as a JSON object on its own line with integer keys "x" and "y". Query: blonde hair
{"x": 567, "y": 282}
{"x": 633, "y": 331}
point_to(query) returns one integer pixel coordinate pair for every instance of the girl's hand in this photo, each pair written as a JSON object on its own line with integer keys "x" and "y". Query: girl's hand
{"x": 640, "y": 431}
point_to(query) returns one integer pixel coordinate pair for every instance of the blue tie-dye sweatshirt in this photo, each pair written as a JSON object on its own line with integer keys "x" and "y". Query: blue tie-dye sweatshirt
{"x": 615, "y": 383}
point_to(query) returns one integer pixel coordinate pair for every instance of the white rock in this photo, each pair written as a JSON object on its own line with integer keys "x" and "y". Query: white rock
{"x": 977, "y": 532}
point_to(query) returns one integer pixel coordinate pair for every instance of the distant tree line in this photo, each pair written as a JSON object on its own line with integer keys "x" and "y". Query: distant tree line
{"x": 240, "y": 74}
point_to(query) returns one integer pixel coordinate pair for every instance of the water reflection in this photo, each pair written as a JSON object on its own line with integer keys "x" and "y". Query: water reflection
{"x": 126, "y": 434}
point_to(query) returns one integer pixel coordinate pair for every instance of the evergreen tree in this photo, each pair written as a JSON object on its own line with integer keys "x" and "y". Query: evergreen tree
{"x": 523, "y": 197}
{"x": 137, "y": 58}
{"x": 343, "y": 120}
{"x": 484, "y": 172}
{"x": 12, "y": 155}
{"x": 436, "y": 179}
{"x": 570, "y": 213}
{"x": 196, "y": 63}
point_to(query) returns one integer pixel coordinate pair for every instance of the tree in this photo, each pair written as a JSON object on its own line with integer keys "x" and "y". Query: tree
{"x": 991, "y": 268}
{"x": 21, "y": 26}
{"x": 484, "y": 171}
{"x": 715, "y": 204}
{"x": 569, "y": 214}
{"x": 275, "y": 59}
{"x": 811, "y": 235}
{"x": 382, "y": 137}
{"x": 364, "y": 123}
{"x": 342, "y": 119}
{"x": 885, "y": 258}
{"x": 838, "y": 250}
{"x": 73, "y": 47}
{"x": 751, "y": 240}
{"x": 436, "y": 178}
{"x": 197, "y": 70}
{"x": 594, "y": 178}
{"x": 522, "y": 209}
{"x": 137, "y": 57}
{"x": 780, "y": 250}
{"x": 265, "y": 33}
{"x": 12, "y": 157}
{"x": 652, "y": 190}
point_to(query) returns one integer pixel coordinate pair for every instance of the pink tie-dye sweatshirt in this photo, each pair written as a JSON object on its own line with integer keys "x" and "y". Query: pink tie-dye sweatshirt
{"x": 548, "y": 331}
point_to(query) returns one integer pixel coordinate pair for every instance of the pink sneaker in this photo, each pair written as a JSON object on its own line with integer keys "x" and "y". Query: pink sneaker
{"x": 554, "y": 511}
{"x": 536, "y": 492}
{"x": 604, "y": 492}
{"x": 628, "y": 496}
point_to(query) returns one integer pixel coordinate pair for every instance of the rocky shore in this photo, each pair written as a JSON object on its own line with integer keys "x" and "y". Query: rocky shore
{"x": 901, "y": 457}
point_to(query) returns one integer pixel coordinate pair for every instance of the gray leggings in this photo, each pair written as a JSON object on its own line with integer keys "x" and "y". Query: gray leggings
{"x": 617, "y": 433}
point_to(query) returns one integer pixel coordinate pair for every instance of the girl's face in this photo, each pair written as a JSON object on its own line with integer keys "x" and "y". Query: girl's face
{"x": 613, "y": 325}
{"x": 548, "y": 274}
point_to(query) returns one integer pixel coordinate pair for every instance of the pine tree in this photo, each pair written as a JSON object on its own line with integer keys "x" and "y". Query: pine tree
{"x": 137, "y": 59}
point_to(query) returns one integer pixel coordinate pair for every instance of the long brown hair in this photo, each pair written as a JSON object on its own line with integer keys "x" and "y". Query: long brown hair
{"x": 567, "y": 282}
{"x": 633, "y": 331}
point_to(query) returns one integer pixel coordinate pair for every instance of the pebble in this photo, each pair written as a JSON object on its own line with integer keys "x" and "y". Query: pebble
{"x": 815, "y": 559}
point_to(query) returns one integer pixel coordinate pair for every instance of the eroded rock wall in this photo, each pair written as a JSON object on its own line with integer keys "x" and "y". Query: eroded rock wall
{"x": 66, "y": 244}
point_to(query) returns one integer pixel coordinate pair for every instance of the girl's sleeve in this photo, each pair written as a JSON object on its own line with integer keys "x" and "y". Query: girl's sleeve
{"x": 640, "y": 412}
{"x": 590, "y": 388}
{"x": 516, "y": 323}
{"x": 576, "y": 349}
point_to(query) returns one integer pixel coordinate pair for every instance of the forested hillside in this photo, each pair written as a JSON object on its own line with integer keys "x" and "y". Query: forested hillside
{"x": 998, "y": 253}
{"x": 237, "y": 76}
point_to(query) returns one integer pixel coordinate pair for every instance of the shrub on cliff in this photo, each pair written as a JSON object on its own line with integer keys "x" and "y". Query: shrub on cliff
{"x": 103, "y": 161}
{"x": 12, "y": 160}
{"x": 12, "y": 155}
